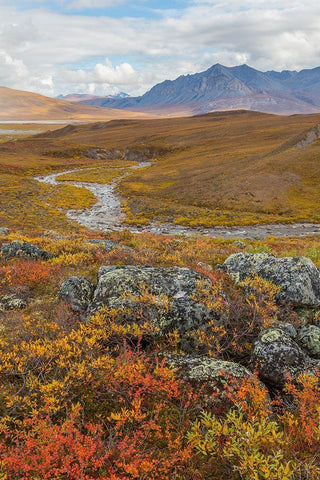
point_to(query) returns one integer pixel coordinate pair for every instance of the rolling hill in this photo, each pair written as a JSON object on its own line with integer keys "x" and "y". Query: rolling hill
{"x": 223, "y": 168}
{"x": 16, "y": 105}
{"x": 226, "y": 88}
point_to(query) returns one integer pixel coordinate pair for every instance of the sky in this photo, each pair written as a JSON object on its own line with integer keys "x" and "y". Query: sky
{"x": 105, "y": 47}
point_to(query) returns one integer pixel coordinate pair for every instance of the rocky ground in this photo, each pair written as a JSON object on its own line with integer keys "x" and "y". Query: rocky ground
{"x": 137, "y": 357}
{"x": 167, "y": 299}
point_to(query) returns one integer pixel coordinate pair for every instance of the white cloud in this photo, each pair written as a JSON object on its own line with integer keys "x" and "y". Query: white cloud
{"x": 55, "y": 53}
{"x": 103, "y": 78}
{"x": 83, "y": 4}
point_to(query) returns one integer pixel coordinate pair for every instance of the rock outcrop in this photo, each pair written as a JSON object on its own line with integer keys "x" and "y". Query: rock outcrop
{"x": 206, "y": 371}
{"x": 12, "y": 302}
{"x": 162, "y": 296}
{"x": 168, "y": 300}
{"x": 77, "y": 292}
{"x": 308, "y": 338}
{"x": 24, "y": 249}
{"x": 278, "y": 357}
{"x": 298, "y": 277}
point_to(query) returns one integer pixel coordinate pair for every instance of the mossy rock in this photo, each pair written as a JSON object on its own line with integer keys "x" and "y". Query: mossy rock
{"x": 298, "y": 277}
{"x": 164, "y": 297}
{"x": 77, "y": 292}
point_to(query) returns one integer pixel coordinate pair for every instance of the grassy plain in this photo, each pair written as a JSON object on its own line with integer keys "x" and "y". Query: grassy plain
{"x": 228, "y": 168}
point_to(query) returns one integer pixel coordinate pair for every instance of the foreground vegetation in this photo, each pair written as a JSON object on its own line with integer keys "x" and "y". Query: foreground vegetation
{"x": 82, "y": 400}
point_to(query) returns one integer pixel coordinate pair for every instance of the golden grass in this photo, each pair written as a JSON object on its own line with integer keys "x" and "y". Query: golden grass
{"x": 227, "y": 168}
{"x": 30, "y": 206}
{"x": 101, "y": 174}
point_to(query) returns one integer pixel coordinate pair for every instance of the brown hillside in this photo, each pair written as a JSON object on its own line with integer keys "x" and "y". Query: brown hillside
{"x": 16, "y": 105}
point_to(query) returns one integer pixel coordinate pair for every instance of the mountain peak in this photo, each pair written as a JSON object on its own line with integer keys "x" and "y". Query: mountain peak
{"x": 229, "y": 88}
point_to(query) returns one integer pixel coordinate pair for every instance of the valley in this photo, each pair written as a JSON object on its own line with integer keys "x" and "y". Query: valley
{"x": 106, "y": 214}
{"x": 218, "y": 170}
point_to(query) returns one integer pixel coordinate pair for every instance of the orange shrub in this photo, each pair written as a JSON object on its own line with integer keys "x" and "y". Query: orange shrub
{"x": 30, "y": 273}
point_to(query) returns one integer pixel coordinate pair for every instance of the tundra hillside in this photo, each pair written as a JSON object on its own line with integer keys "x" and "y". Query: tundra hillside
{"x": 232, "y": 168}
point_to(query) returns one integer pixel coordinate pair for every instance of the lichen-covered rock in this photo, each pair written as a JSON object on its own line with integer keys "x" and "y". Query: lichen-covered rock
{"x": 77, "y": 292}
{"x": 308, "y": 338}
{"x": 277, "y": 355}
{"x": 24, "y": 249}
{"x": 206, "y": 371}
{"x": 12, "y": 302}
{"x": 168, "y": 301}
{"x": 217, "y": 379}
{"x": 298, "y": 277}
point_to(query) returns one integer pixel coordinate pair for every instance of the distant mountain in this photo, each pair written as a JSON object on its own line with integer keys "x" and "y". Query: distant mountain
{"x": 84, "y": 97}
{"x": 17, "y": 105}
{"x": 227, "y": 88}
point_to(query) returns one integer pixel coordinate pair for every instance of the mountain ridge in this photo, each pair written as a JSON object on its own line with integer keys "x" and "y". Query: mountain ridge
{"x": 227, "y": 88}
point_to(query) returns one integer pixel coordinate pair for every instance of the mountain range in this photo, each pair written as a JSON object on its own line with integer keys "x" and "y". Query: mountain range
{"x": 224, "y": 88}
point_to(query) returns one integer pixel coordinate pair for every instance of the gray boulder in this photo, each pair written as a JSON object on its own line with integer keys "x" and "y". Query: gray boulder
{"x": 77, "y": 292}
{"x": 12, "y": 302}
{"x": 24, "y": 249}
{"x": 170, "y": 305}
{"x": 308, "y": 338}
{"x": 207, "y": 371}
{"x": 298, "y": 277}
{"x": 4, "y": 231}
{"x": 214, "y": 377}
{"x": 277, "y": 355}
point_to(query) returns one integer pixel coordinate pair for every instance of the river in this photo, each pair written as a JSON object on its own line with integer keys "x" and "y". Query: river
{"x": 107, "y": 215}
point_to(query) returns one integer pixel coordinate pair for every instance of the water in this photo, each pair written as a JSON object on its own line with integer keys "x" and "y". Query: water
{"x": 16, "y": 131}
{"x": 107, "y": 215}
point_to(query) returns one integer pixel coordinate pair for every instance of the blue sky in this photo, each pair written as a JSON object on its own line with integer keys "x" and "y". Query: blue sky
{"x": 107, "y": 46}
{"x": 113, "y": 8}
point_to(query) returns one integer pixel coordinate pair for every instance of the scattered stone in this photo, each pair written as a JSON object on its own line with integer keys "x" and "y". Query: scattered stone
{"x": 110, "y": 245}
{"x": 24, "y": 249}
{"x": 169, "y": 303}
{"x": 204, "y": 266}
{"x": 239, "y": 244}
{"x": 288, "y": 328}
{"x": 52, "y": 234}
{"x": 78, "y": 292}
{"x": 12, "y": 302}
{"x": 298, "y": 277}
{"x": 277, "y": 356}
{"x": 309, "y": 339}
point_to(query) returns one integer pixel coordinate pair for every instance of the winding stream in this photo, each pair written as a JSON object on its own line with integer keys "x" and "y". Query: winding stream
{"x": 107, "y": 215}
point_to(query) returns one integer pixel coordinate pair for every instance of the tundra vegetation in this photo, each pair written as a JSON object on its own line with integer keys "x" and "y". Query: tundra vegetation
{"x": 127, "y": 389}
